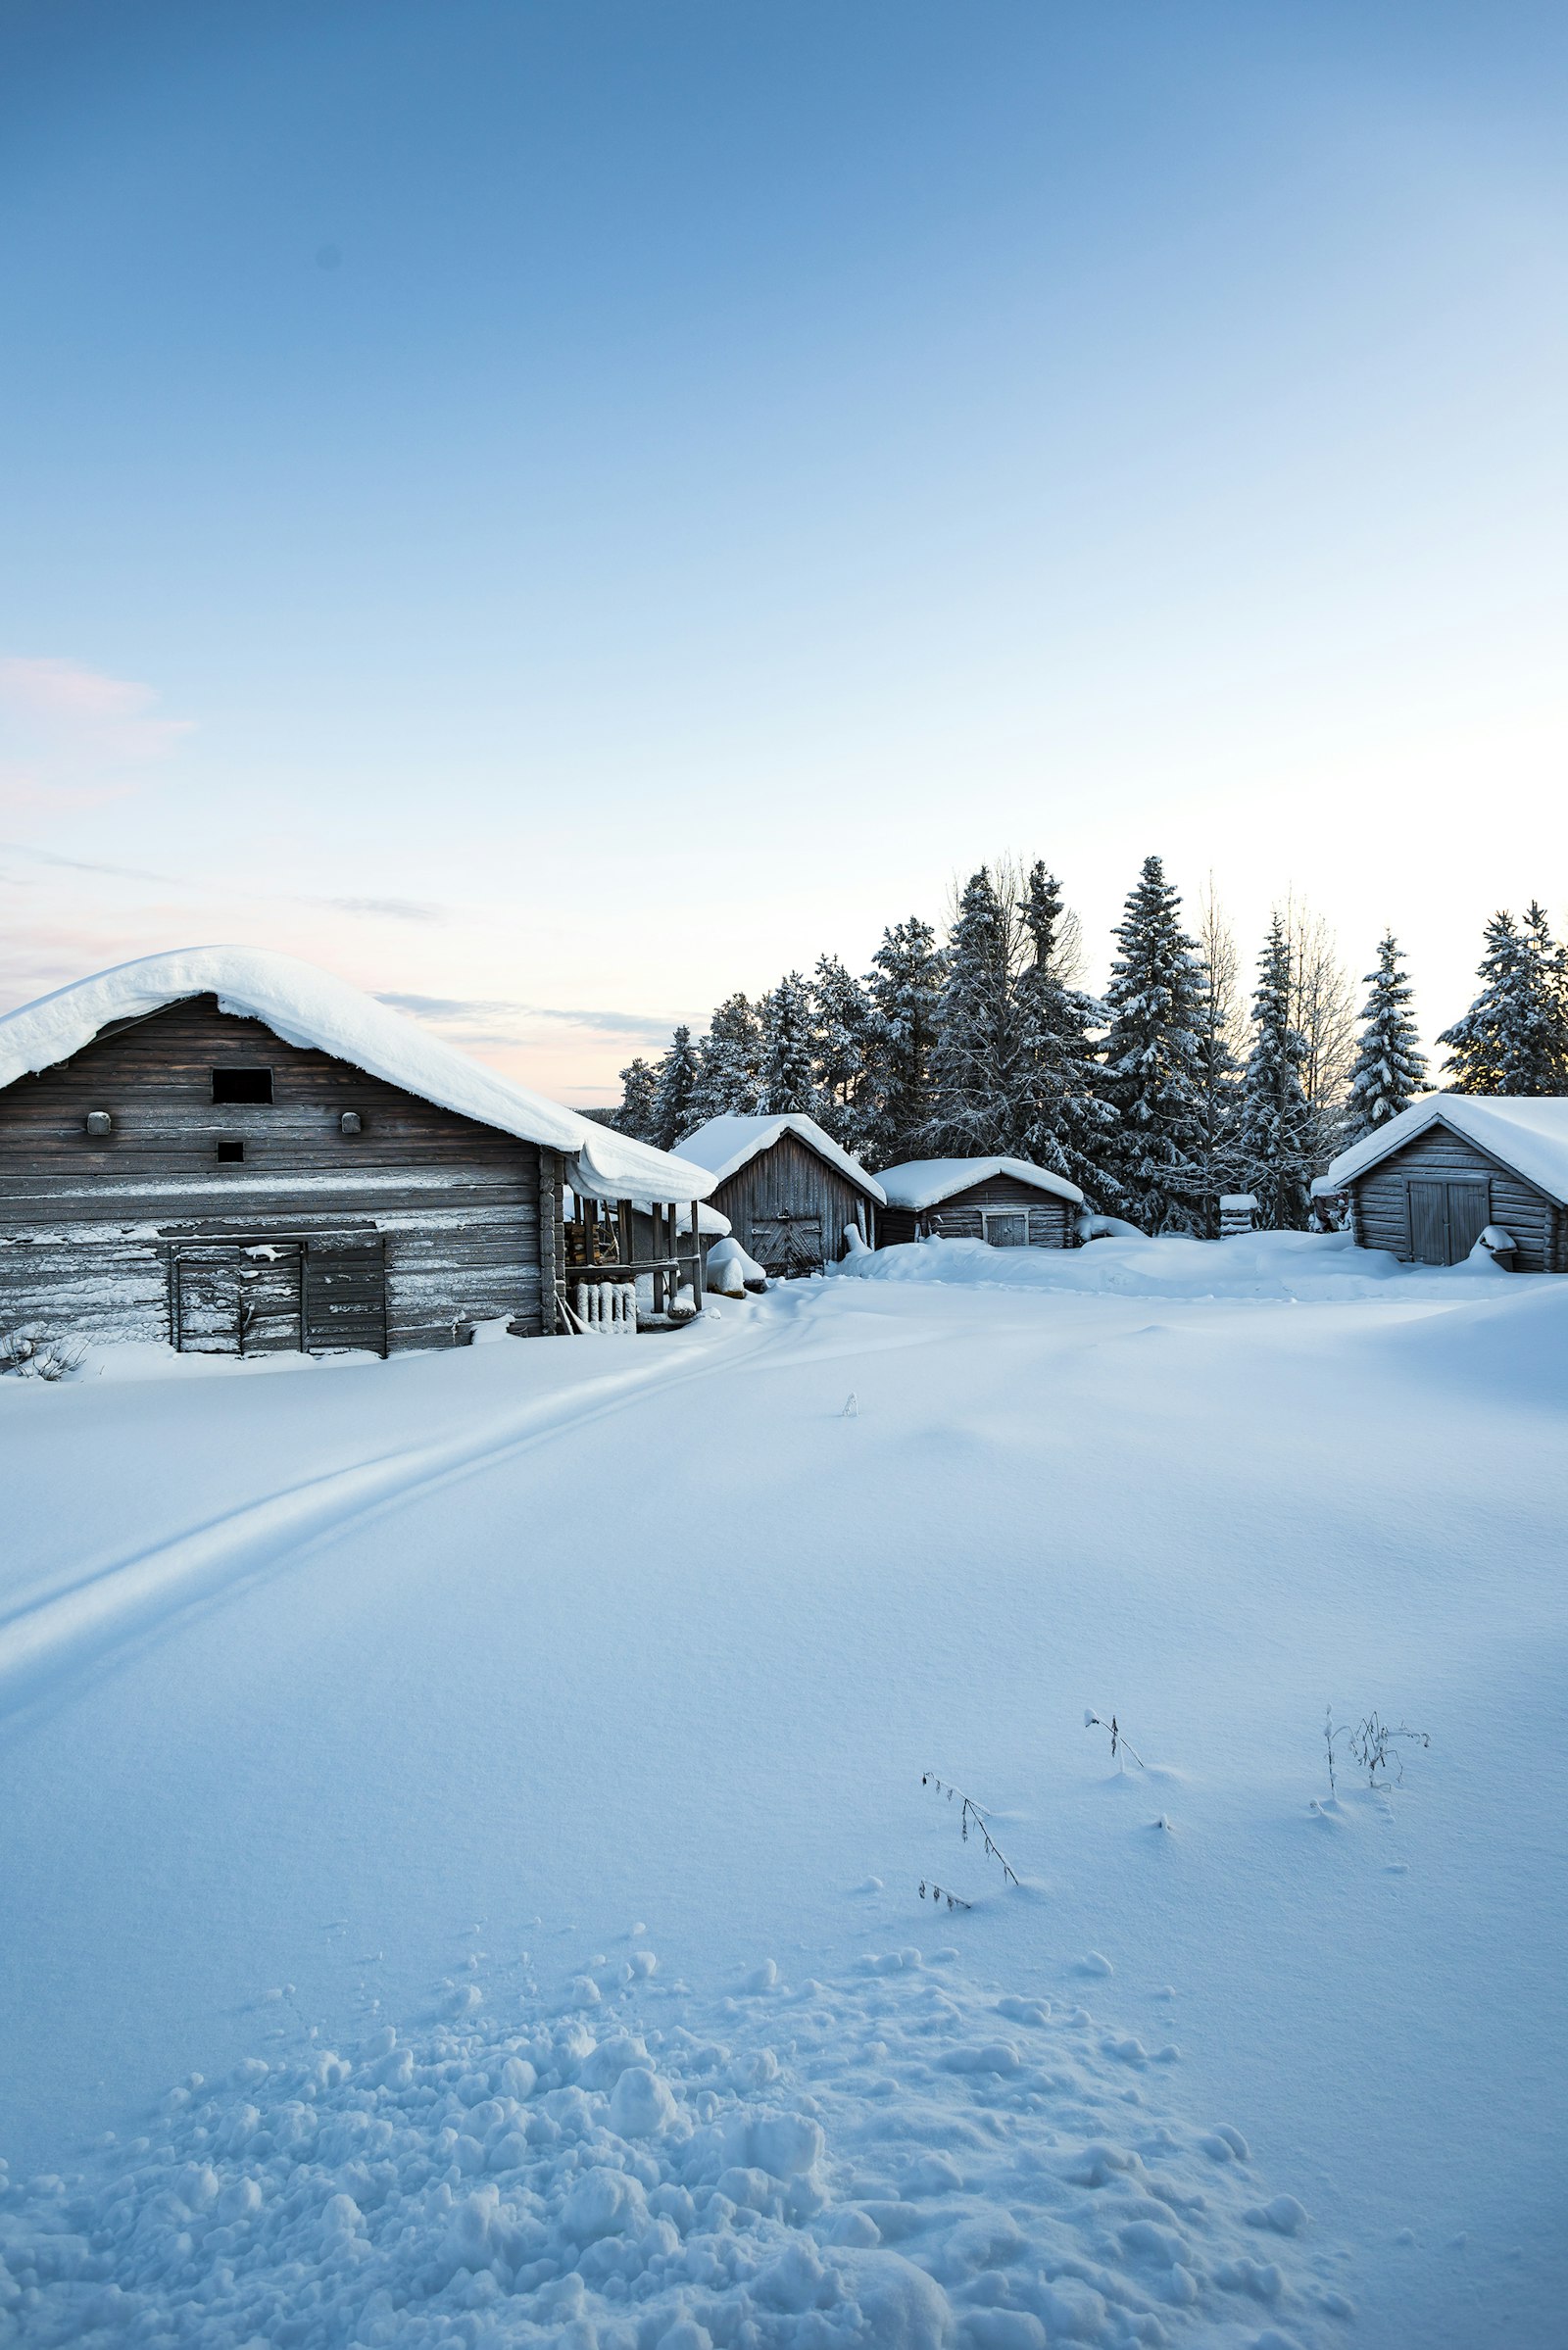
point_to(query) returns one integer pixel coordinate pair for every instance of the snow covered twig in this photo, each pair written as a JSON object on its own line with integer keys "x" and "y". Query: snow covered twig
{"x": 1118, "y": 1737}
{"x": 970, "y": 1812}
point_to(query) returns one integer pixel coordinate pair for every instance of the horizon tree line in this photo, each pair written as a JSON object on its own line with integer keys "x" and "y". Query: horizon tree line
{"x": 1156, "y": 1099}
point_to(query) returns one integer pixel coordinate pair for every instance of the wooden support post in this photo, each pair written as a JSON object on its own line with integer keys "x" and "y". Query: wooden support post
{"x": 549, "y": 1239}
{"x": 697, "y": 1261}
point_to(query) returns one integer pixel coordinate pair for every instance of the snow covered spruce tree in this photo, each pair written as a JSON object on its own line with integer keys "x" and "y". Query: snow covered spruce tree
{"x": 729, "y": 1062}
{"x": 905, "y": 985}
{"x": 1391, "y": 1068}
{"x": 673, "y": 1093}
{"x": 639, "y": 1084}
{"x": 1276, "y": 1138}
{"x": 977, "y": 1064}
{"x": 841, "y": 1019}
{"x": 1061, "y": 1120}
{"x": 788, "y": 1080}
{"x": 1150, "y": 1054}
{"x": 1221, "y": 1030}
{"x": 1514, "y": 1036}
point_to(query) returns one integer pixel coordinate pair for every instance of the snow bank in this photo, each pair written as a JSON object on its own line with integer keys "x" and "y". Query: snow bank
{"x": 305, "y": 1006}
{"x": 622, "y": 2169}
{"x": 724, "y": 1144}
{"x": 731, "y": 1272}
{"x": 926, "y": 1182}
{"x": 1252, "y": 1266}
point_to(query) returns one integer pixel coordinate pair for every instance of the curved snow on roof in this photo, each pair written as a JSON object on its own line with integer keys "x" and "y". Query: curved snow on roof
{"x": 307, "y": 1006}
{"x": 1528, "y": 1132}
{"x": 926, "y": 1182}
{"x": 725, "y": 1144}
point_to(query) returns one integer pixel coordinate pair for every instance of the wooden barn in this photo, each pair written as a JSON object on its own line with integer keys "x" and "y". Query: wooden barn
{"x": 1456, "y": 1166}
{"x": 1005, "y": 1201}
{"x": 232, "y": 1152}
{"x": 788, "y": 1191}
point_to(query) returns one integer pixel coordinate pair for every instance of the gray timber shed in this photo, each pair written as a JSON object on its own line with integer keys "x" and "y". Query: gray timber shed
{"x": 1010, "y": 1203}
{"x": 788, "y": 1191}
{"x": 1430, "y": 1183}
{"x": 232, "y": 1152}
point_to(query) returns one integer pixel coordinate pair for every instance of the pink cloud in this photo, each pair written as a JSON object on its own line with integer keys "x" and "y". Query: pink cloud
{"x": 79, "y": 712}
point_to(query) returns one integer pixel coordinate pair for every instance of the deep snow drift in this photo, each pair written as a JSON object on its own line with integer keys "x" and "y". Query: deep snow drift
{"x": 354, "y": 1719}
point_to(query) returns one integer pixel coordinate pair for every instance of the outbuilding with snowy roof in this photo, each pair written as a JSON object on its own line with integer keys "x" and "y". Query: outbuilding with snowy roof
{"x": 790, "y": 1193}
{"x": 1456, "y": 1166}
{"x": 229, "y": 1150}
{"x": 1007, "y": 1201}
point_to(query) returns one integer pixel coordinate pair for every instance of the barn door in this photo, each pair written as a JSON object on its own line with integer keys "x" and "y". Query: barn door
{"x": 206, "y": 1301}
{"x": 237, "y": 1298}
{"x": 1468, "y": 1217}
{"x": 1447, "y": 1219}
{"x": 345, "y": 1294}
{"x": 1007, "y": 1228}
{"x": 784, "y": 1244}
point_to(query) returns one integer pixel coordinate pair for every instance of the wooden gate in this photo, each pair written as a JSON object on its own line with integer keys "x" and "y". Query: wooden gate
{"x": 1447, "y": 1219}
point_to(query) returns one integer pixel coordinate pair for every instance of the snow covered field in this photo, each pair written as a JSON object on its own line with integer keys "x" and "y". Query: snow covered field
{"x": 497, "y": 1775}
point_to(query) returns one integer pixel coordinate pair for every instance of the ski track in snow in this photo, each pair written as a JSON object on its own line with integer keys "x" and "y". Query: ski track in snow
{"x": 897, "y": 2160}
{"x": 129, "y": 1596}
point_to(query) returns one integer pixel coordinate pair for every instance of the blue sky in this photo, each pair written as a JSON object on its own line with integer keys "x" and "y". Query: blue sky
{"x": 559, "y": 513}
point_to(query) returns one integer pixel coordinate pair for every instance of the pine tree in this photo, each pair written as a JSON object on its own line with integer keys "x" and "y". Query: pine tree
{"x": 1276, "y": 1139}
{"x": 729, "y": 1062}
{"x": 1514, "y": 1036}
{"x": 1391, "y": 1068}
{"x": 673, "y": 1093}
{"x": 1152, "y": 1072}
{"x": 788, "y": 1083}
{"x": 905, "y": 985}
{"x": 977, "y": 1064}
{"x": 635, "y": 1114}
{"x": 842, "y": 1020}
{"x": 1062, "y": 1120}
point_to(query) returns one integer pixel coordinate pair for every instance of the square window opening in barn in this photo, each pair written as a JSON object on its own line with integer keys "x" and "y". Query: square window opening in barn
{"x": 230, "y": 1152}
{"x": 242, "y": 1085}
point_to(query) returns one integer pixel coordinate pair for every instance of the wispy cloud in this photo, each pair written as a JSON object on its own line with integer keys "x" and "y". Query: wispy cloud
{"x": 81, "y": 710}
{"x": 464, "y": 1009}
{"x": 390, "y": 909}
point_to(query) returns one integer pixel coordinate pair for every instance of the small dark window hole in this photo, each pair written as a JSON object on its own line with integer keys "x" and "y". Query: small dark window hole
{"x": 228, "y": 1152}
{"x": 242, "y": 1085}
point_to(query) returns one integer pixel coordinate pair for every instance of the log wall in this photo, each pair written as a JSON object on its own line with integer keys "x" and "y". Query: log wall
{"x": 91, "y": 1227}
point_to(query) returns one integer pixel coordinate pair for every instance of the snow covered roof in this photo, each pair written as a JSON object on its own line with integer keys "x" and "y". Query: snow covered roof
{"x": 724, "y": 1144}
{"x": 925, "y": 1182}
{"x": 307, "y": 1006}
{"x": 1527, "y": 1132}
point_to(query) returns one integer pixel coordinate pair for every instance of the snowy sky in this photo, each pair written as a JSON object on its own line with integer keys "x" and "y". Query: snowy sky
{"x": 557, "y": 514}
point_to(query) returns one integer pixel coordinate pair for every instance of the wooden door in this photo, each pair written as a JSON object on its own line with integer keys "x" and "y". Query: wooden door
{"x": 1468, "y": 1217}
{"x": 271, "y": 1316}
{"x": 345, "y": 1294}
{"x": 1008, "y": 1228}
{"x": 207, "y": 1315}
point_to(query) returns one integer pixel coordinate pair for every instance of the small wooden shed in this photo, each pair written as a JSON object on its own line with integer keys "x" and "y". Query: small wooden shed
{"x": 230, "y": 1152}
{"x": 1005, "y": 1201}
{"x": 1430, "y": 1183}
{"x": 790, "y": 1191}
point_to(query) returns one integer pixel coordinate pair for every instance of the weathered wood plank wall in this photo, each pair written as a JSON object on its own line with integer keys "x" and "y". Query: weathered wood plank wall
{"x": 89, "y": 1225}
{"x": 1380, "y": 1200}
